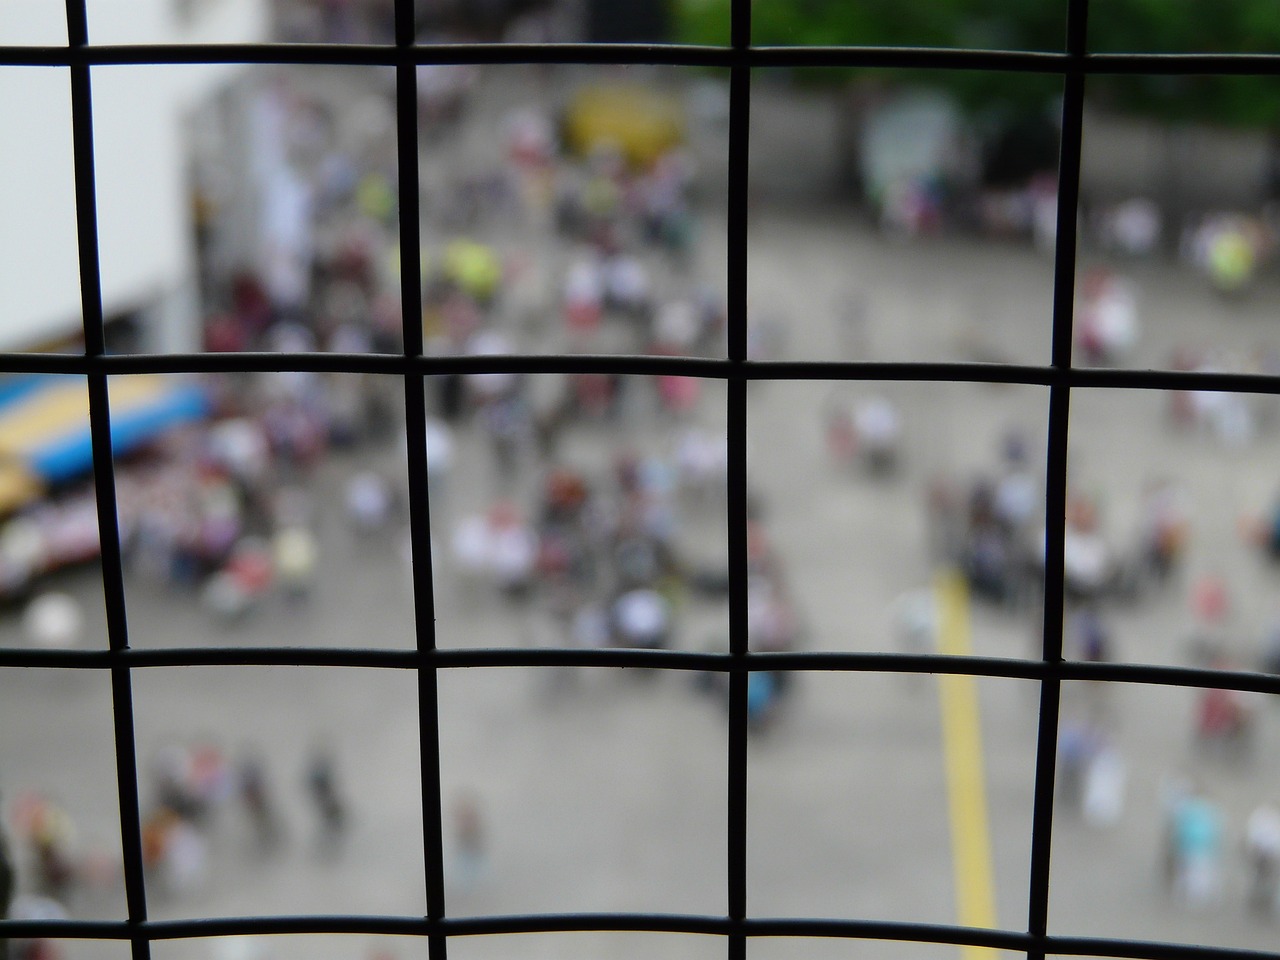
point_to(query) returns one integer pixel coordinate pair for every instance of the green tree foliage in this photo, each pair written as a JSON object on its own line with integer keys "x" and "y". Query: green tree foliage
{"x": 1165, "y": 26}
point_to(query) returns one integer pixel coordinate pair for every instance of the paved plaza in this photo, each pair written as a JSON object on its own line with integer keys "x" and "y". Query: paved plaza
{"x": 603, "y": 790}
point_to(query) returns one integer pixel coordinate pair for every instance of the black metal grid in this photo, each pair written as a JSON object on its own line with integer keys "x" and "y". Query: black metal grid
{"x": 1073, "y": 64}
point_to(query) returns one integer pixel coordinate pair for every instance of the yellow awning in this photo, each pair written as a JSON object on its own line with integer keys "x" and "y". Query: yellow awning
{"x": 641, "y": 124}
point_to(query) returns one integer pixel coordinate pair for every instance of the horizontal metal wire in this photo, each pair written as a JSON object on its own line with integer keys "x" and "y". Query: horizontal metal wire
{"x": 494, "y": 924}
{"x": 938, "y": 58}
{"x": 679, "y": 660}
{"x": 759, "y": 927}
{"x": 636, "y": 365}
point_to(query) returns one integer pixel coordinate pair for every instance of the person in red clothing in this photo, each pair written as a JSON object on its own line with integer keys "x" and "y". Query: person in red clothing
{"x": 1222, "y": 717}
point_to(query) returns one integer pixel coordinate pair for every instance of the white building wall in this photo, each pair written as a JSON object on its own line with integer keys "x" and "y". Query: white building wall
{"x": 145, "y": 243}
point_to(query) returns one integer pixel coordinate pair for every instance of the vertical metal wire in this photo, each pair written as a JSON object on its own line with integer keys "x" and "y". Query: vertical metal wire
{"x": 736, "y": 475}
{"x": 85, "y": 181}
{"x": 419, "y": 500}
{"x": 1056, "y": 472}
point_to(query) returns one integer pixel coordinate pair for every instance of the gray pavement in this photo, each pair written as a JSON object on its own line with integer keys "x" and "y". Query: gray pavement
{"x": 605, "y": 791}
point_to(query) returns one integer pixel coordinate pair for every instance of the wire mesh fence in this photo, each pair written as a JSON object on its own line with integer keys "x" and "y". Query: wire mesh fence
{"x": 1074, "y": 65}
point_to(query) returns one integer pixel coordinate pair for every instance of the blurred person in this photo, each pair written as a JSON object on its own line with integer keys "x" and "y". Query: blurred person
{"x": 946, "y": 520}
{"x": 1181, "y": 403}
{"x": 1224, "y": 247}
{"x": 512, "y": 552}
{"x": 450, "y": 319}
{"x": 290, "y": 336}
{"x": 370, "y": 502}
{"x": 1102, "y": 802}
{"x": 989, "y": 566}
{"x": 530, "y": 136}
{"x": 1090, "y": 637}
{"x": 7, "y": 884}
{"x": 1228, "y": 417}
{"x": 255, "y": 795}
{"x": 386, "y": 324}
{"x": 443, "y": 92}
{"x": 676, "y": 327}
{"x": 225, "y": 333}
{"x": 475, "y": 269}
{"x": 712, "y": 321}
{"x": 1174, "y": 789}
{"x": 550, "y": 401}
{"x": 225, "y": 599}
{"x": 1210, "y": 603}
{"x": 22, "y": 553}
{"x": 641, "y": 618}
{"x": 343, "y": 413}
{"x": 912, "y": 206}
{"x": 1198, "y": 837}
{"x": 243, "y": 582}
{"x": 638, "y": 560}
{"x": 440, "y": 455}
{"x": 589, "y": 627}
{"x": 1270, "y": 653}
{"x": 762, "y": 699}
{"x": 1223, "y": 718}
{"x": 583, "y": 297}
{"x": 154, "y": 829}
{"x": 1015, "y": 498}
{"x": 210, "y": 776}
{"x": 767, "y": 335}
{"x": 713, "y": 683}
{"x": 297, "y": 432}
{"x": 48, "y": 832}
{"x": 528, "y": 295}
{"x": 294, "y": 554}
{"x": 171, "y": 781}
{"x": 597, "y": 396}
{"x": 1262, "y": 859}
{"x": 914, "y": 615}
{"x": 853, "y": 324}
{"x": 869, "y": 429}
{"x": 678, "y": 395}
{"x": 184, "y": 868}
{"x": 34, "y": 907}
{"x": 666, "y": 217}
{"x": 322, "y": 788}
{"x": 1079, "y": 742}
{"x": 1088, "y": 561}
{"x": 878, "y": 427}
{"x": 509, "y": 424}
{"x": 1164, "y": 527}
{"x": 772, "y": 624}
{"x": 53, "y": 619}
{"x": 627, "y": 287}
{"x": 241, "y": 447}
{"x": 1265, "y": 532}
{"x": 1107, "y": 329}
{"x": 1132, "y": 227}
{"x": 174, "y": 852}
{"x": 470, "y": 858}
{"x": 701, "y": 462}
{"x": 470, "y": 549}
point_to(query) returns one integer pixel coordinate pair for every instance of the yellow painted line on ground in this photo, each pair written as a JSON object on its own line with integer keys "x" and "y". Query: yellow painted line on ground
{"x": 966, "y": 779}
